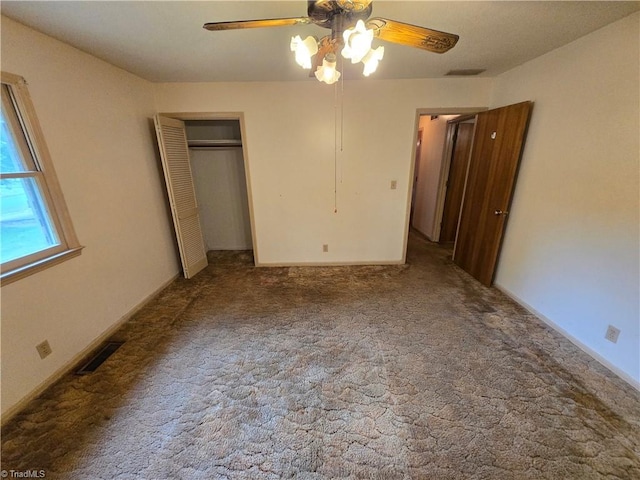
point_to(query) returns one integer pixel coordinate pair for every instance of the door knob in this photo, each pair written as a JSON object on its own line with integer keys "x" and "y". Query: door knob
{"x": 497, "y": 213}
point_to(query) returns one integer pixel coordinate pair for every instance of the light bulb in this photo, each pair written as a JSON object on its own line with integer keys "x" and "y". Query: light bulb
{"x": 327, "y": 73}
{"x": 357, "y": 42}
{"x": 304, "y": 50}
{"x": 371, "y": 60}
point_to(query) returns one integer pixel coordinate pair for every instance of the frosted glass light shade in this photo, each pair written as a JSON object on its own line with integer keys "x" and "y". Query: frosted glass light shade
{"x": 304, "y": 50}
{"x": 357, "y": 42}
{"x": 327, "y": 73}
{"x": 371, "y": 60}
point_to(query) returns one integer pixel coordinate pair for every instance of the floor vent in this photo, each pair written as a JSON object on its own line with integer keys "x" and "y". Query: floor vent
{"x": 98, "y": 359}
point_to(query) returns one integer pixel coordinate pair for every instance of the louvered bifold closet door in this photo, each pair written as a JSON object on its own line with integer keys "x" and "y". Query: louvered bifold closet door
{"x": 174, "y": 153}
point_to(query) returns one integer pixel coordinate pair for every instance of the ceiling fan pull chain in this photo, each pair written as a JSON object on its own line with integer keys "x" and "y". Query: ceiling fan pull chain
{"x": 342, "y": 105}
{"x": 335, "y": 148}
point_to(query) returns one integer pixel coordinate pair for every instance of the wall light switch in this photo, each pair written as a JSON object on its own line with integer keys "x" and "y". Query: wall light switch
{"x": 394, "y": 184}
{"x": 325, "y": 247}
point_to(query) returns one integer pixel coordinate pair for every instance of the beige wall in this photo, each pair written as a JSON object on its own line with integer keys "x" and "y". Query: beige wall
{"x": 95, "y": 120}
{"x": 290, "y": 140}
{"x": 571, "y": 246}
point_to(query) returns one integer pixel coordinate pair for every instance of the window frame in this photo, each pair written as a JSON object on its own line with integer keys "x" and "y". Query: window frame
{"x": 47, "y": 183}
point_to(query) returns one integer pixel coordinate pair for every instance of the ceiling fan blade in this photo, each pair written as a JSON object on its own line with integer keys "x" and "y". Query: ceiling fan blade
{"x": 242, "y": 24}
{"x": 325, "y": 45}
{"x": 412, "y": 35}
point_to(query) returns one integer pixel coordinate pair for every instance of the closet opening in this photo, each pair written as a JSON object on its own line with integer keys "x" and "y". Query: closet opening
{"x": 220, "y": 182}
{"x": 207, "y": 182}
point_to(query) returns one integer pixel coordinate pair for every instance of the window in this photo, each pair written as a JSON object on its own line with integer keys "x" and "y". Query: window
{"x": 35, "y": 229}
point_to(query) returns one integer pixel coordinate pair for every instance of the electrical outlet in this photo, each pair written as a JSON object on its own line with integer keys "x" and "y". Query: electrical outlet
{"x": 394, "y": 184}
{"x": 44, "y": 349}
{"x": 612, "y": 334}
{"x": 325, "y": 247}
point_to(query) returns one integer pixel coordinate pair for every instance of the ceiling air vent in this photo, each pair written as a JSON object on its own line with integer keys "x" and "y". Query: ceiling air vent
{"x": 469, "y": 72}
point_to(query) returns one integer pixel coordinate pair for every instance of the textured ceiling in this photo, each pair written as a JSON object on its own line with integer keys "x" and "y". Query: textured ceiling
{"x": 164, "y": 41}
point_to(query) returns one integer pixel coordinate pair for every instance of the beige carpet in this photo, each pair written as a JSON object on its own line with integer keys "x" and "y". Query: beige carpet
{"x": 391, "y": 372}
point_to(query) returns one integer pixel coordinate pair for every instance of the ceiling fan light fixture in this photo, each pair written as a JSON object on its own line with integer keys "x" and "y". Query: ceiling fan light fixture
{"x": 357, "y": 42}
{"x": 304, "y": 50}
{"x": 327, "y": 73}
{"x": 371, "y": 60}
{"x": 354, "y": 42}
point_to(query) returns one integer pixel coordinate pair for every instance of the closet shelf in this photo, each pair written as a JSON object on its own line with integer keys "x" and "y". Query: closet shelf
{"x": 214, "y": 143}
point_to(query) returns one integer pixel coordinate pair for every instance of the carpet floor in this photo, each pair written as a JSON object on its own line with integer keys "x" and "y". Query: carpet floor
{"x": 368, "y": 372}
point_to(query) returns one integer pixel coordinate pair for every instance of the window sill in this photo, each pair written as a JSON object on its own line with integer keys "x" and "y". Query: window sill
{"x": 35, "y": 267}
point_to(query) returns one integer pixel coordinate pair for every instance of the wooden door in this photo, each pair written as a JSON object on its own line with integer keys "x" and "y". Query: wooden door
{"x": 455, "y": 182}
{"x": 495, "y": 155}
{"x": 174, "y": 153}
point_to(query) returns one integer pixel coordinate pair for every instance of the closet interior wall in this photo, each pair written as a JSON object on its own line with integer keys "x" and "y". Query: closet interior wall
{"x": 217, "y": 164}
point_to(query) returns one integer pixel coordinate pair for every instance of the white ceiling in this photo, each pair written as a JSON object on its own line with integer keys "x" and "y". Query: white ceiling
{"x": 163, "y": 41}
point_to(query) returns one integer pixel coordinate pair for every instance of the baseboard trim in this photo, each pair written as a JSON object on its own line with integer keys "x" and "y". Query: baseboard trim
{"x": 73, "y": 363}
{"x": 589, "y": 351}
{"x": 331, "y": 264}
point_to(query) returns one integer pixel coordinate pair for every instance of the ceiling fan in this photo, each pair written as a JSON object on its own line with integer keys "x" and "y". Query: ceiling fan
{"x": 351, "y": 33}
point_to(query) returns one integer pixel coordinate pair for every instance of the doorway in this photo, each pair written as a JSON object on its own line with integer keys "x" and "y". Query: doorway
{"x": 427, "y": 171}
{"x": 207, "y": 183}
{"x": 477, "y": 174}
{"x": 219, "y": 177}
{"x": 431, "y": 168}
